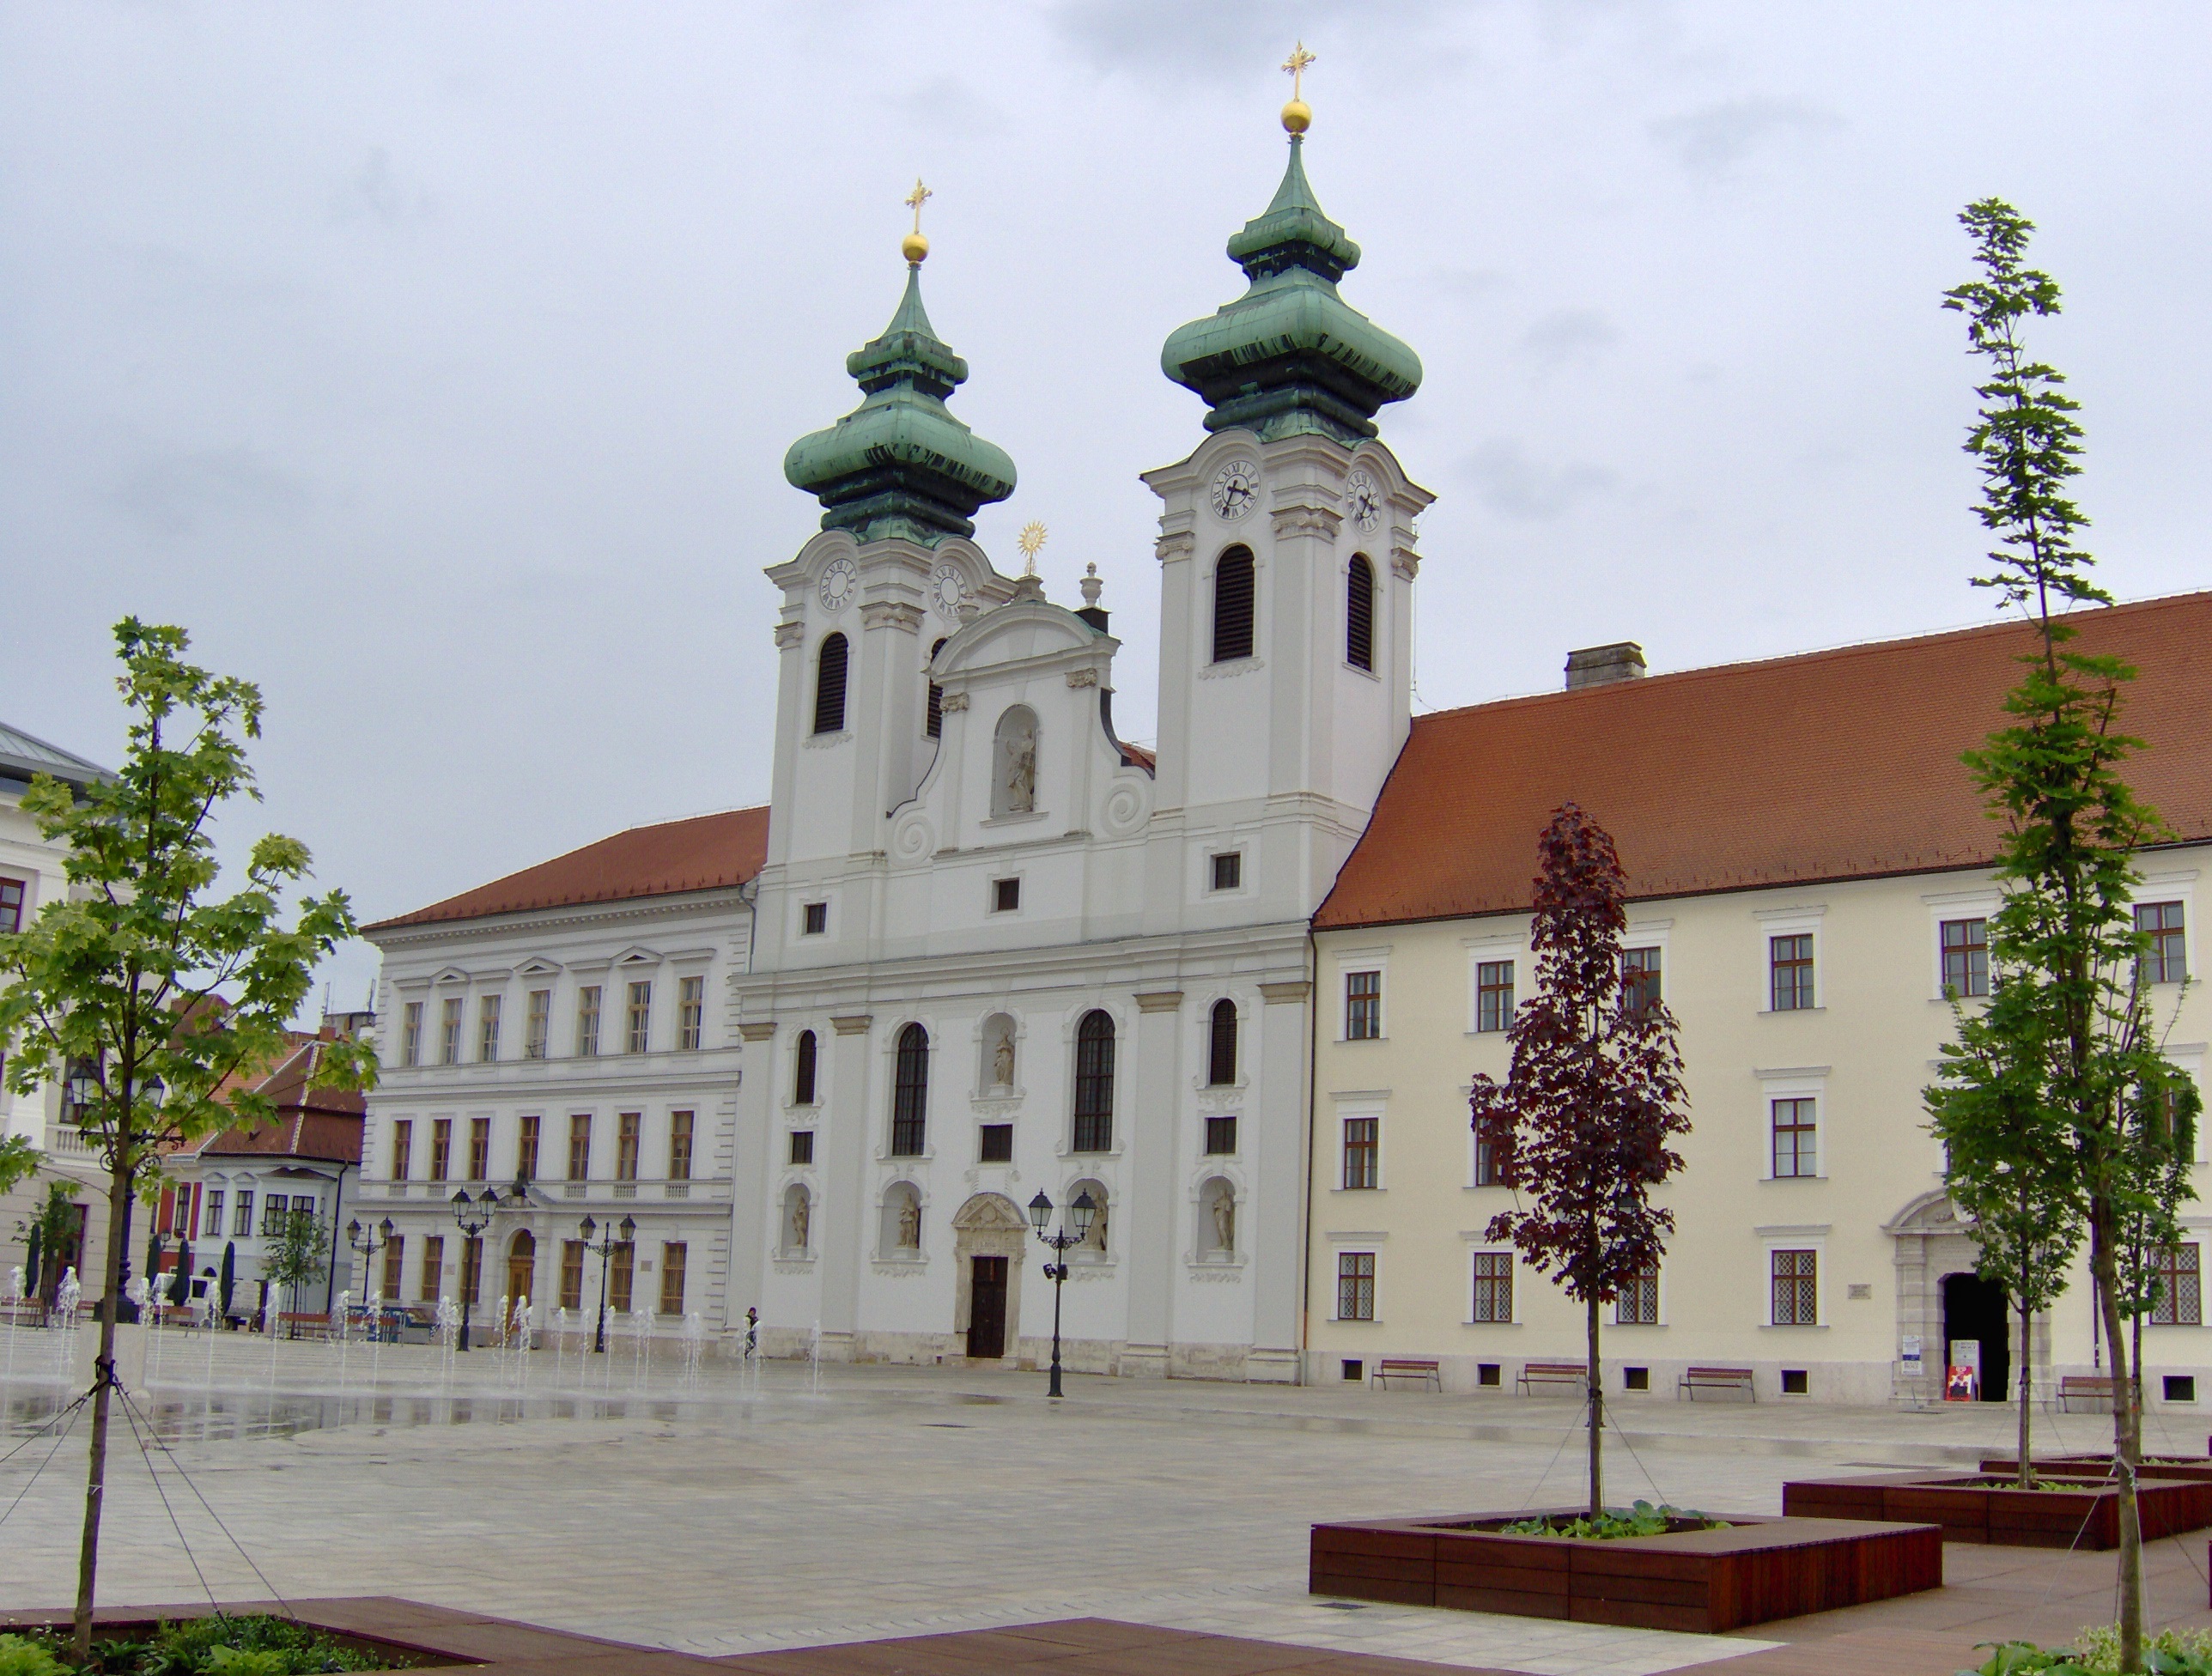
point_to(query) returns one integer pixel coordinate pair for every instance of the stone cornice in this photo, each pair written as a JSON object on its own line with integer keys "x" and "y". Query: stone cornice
{"x": 564, "y": 915}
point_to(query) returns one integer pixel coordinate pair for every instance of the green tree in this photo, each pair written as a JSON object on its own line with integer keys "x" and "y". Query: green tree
{"x": 296, "y": 1258}
{"x": 141, "y": 979}
{"x": 227, "y": 1280}
{"x": 51, "y": 1230}
{"x": 2076, "y": 1027}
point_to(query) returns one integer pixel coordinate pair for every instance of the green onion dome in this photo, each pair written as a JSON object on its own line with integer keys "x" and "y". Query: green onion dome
{"x": 899, "y": 464}
{"x": 1290, "y": 356}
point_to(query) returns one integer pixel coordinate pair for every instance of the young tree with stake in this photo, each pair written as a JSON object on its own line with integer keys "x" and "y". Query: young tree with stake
{"x": 143, "y": 982}
{"x": 1592, "y": 1096}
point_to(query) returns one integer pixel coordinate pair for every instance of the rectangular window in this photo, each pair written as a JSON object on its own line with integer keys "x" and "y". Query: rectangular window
{"x": 995, "y": 1144}
{"x": 572, "y": 1274}
{"x": 1639, "y": 980}
{"x": 538, "y": 1025}
{"x": 472, "y": 1270}
{"x": 1221, "y": 1137}
{"x": 479, "y": 1149}
{"x": 434, "y": 1267}
{"x": 395, "y": 1266}
{"x": 815, "y": 920}
{"x": 488, "y": 1028}
{"x": 1493, "y": 995}
{"x": 1229, "y": 870}
{"x": 2180, "y": 1288}
{"x": 1355, "y": 1286}
{"x": 1363, "y": 1007}
{"x": 672, "y": 1260}
{"x": 621, "y": 1276}
{"x": 274, "y": 1209}
{"x": 11, "y": 905}
{"x": 1493, "y": 1286}
{"x": 242, "y": 1224}
{"x": 1486, "y": 1163}
{"x": 641, "y": 1017}
{"x": 526, "y": 1149}
{"x": 441, "y": 1147}
{"x": 449, "y": 1031}
{"x": 1361, "y": 1151}
{"x": 214, "y": 1213}
{"x": 802, "y": 1145}
{"x": 1796, "y": 1288}
{"x": 1791, "y": 961}
{"x": 679, "y": 1146}
{"x": 411, "y": 1035}
{"x": 2166, "y": 960}
{"x": 1796, "y": 1139}
{"x": 403, "y": 1146}
{"x": 690, "y": 1014}
{"x": 1966, "y": 956}
{"x": 580, "y": 1147}
{"x": 1638, "y": 1302}
{"x": 588, "y": 1021}
{"x": 1005, "y": 895}
{"x": 627, "y": 1126}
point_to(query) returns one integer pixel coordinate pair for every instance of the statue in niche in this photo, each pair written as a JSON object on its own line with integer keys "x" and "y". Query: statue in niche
{"x": 1096, "y": 1239}
{"x": 909, "y": 1224}
{"x": 799, "y": 1220}
{"x": 1002, "y": 1060}
{"x": 1224, "y": 1221}
{"x": 1016, "y": 792}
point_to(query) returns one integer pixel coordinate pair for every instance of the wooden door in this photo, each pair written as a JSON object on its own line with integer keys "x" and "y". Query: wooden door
{"x": 986, "y": 1308}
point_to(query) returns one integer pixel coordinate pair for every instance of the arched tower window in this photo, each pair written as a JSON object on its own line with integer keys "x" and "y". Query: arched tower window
{"x": 934, "y": 726}
{"x": 802, "y": 1075}
{"x": 1094, "y": 1083}
{"x": 910, "y": 1093}
{"x": 829, "y": 686}
{"x": 1359, "y": 614}
{"x": 1232, "y": 605}
{"x": 1221, "y": 1054}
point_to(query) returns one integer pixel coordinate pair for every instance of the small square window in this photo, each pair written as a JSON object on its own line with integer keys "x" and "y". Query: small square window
{"x": 1793, "y": 1381}
{"x": 818, "y": 919}
{"x": 2181, "y": 1387}
{"x": 1221, "y": 1137}
{"x": 1489, "y": 1373}
{"x": 1005, "y": 895}
{"x": 1229, "y": 870}
{"x": 996, "y": 1145}
{"x": 1636, "y": 1378}
{"x": 802, "y": 1146}
{"x": 1354, "y": 1369}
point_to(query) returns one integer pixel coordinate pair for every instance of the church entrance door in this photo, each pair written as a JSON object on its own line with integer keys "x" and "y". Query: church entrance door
{"x": 986, "y": 1308}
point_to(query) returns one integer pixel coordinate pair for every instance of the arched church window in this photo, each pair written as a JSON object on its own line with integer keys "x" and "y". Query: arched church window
{"x": 802, "y": 1074}
{"x": 934, "y": 726}
{"x": 910, "y": 1093}
{"x": 829, "y": 686}
{"x": 1359, "y": 614}
{"x": 1232, "y": 605}
{"x": 1221, "y": 1056}
{"x": 1094, "y": 1083}
{"x": 1014, "y": 763}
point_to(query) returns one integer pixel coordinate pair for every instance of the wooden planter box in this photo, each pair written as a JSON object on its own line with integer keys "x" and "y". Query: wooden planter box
{"x": 2084, "y": 1515}
{"x": 1706, "y": 1580}
{"x": 2196, "y": 1466}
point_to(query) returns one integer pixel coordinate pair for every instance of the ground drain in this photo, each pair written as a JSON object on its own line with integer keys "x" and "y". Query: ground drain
{"x": 1344, "y": 1605}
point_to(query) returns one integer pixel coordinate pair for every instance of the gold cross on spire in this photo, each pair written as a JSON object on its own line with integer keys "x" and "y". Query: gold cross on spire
{"x": 1295, "y": 68}
{"x": 913, "y": 246}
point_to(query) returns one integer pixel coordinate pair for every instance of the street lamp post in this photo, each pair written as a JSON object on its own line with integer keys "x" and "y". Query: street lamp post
{"x": 365, "y": 1240}
{"x": 605, "y": 1248}
{"x": 474, "y": 1216}
{"x": 1041, "y": 1213}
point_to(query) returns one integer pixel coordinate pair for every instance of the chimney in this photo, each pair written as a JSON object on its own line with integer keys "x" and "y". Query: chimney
{"x": 1595, "y": 666}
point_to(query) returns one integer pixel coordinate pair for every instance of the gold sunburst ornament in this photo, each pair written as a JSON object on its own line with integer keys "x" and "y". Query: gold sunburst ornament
{"x": 1031, "y": 540}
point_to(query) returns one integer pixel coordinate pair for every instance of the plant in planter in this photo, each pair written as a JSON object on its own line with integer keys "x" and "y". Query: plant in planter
{"x": 1640, "y": 1518}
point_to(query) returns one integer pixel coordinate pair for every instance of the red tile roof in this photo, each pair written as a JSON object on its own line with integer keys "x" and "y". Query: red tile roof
{"x": 706, "y": 853}
{"x": 322, "y": 1123}
{"x": 1832, "y": 765}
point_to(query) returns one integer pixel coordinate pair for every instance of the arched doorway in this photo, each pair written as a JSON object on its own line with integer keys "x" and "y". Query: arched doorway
{"x": 990, "y": 1240}
{"x": 521, "y": 1266}
{"x": 1975, "y": 1309}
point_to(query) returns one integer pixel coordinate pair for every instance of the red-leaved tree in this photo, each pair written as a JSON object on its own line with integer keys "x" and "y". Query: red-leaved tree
{"x": 1582, "y": 1123}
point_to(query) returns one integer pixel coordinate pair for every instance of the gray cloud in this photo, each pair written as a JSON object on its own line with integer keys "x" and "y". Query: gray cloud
{"x": 375, "y": 191}
{"x": 1569, "y": 335}
{"x": 1713, "y": 141}
{"x": 1513, "y": 486}
{"x": 176, "y": 494}
{"x": 950, "y": 105}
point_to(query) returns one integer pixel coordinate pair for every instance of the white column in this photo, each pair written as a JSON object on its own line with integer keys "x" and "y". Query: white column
{"x": 752, "y": 1178}
{"x": 846, "y": 1143}
{"x": 1155, "y": 1109}
{"x": 1279, "y": 1201}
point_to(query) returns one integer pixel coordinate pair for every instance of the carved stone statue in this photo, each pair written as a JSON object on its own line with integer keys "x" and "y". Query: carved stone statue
{"x": 1096, "y": 1239}
{"x": 799, "y": 1219}
{"x": 1224, "y": 1221}
{"x": 1021, "y": 775}
{"x": 909, "y": 1225}
{"x": 1002, "y": 1060}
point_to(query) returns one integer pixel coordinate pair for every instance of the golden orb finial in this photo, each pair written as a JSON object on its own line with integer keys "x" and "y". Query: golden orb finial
{"x": 1297, "y": 115}
{"x": 913, "y": 246}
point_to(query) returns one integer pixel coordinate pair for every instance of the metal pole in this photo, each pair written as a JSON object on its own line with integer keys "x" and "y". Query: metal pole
{"x": 599, "y": 1338}
{"x": 1058, "y": 1279}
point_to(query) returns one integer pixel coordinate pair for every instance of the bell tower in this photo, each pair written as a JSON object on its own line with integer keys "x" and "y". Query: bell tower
{"x": 1287, "y": 560}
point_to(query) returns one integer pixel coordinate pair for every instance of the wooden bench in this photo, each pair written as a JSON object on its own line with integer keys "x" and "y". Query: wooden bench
{"x": 1534, "y": 1374}
{"x": 1695, "y": 1380}
{"x": 2084, "y": 1387}
{"x": 1407, "y": 1367}
{"x": 302, "y": 1324}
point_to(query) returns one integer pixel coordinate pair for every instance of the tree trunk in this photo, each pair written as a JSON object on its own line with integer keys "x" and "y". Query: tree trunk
{"x": 1596, "y": 1419}
{"x": 2027, "y": 1374}
{"x": 2127, "y": 1430}
{"x": 103, "y": 1384}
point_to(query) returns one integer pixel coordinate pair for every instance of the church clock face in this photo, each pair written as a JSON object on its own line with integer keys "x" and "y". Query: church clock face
{"x": 1236, "y": 489}
{"x": 1364, "y": 499}
{"x": 947, "y": 588}
{"x": 839, "y": 578}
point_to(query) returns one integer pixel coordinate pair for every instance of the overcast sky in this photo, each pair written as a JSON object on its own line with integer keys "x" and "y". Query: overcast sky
{"x": 435, "y": 365}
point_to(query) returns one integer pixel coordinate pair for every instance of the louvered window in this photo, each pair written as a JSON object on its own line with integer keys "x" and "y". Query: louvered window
{"x": 1232, "y": 606}
{"x": 829, "y": 686}
{"x": 1221, "y": 1056}
{"x": 935, "y": 725}
{"x": 1359, "y": 614}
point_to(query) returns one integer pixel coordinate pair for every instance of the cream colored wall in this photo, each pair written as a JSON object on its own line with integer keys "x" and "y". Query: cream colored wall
{"x": 1864, "y": 1053}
